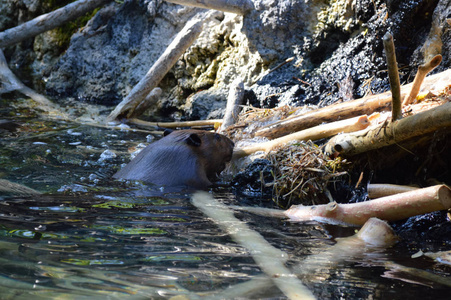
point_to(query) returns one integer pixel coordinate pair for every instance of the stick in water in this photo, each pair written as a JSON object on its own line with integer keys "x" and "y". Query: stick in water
{"x": 270, "y": 259}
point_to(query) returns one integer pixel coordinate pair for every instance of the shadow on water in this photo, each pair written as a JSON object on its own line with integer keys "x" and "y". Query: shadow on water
{"x": 90, "y": 237}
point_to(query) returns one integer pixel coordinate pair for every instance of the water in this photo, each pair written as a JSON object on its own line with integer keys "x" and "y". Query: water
{"x": 88, "y": 237}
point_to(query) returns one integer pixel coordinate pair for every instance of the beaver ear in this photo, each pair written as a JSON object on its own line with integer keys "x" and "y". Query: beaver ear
{"x": 193, "y": 140}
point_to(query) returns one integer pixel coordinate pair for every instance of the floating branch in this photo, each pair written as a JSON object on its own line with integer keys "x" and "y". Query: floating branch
{"x": 234, "y": 100}
{"x": 390, "y": 208}
{"x": 391, "y": 133}
{"x": 393, "y": 76}
{"x": 423, "y": 70}
{"x": 165, "y": 62}
{"x": 314, "y": 133}
{"x": 240, "y": 7}
{"x": 270, "y": 259}
{"x": 48, "y": 21}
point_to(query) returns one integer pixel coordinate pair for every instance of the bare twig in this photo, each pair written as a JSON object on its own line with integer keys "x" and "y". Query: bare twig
{"x": 423, "y": 70}
{"x": 393, "y": 76}
{"x": 175, "y": 124}
{"x": 240, "y": 7}
{"x": 234, "y": 100}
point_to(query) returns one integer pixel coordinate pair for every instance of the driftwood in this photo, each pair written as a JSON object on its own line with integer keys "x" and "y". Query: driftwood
{"x": 234, "y": 100}
{"x": 9, "y": 187}
{"x": 240, "y": 7}
{"x": 314, "y": 133}
{"x": 393, "y": 76}
{"x": 48, "y": 21}
{"x": 165, "y": 62}
{"x": 349, "y": 109}
{"x": 390, "y": 208}
{"x": 423, "y": 70}
{"x": 382, "y": 190}
{"x": 270, "y": 259}
{"x": 387, "y": 134}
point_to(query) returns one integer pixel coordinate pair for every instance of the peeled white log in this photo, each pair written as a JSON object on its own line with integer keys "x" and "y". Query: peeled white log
{"x": 390, "y": 208}
{"x": 48, "y": 21}
{"x": 314, "y": 133}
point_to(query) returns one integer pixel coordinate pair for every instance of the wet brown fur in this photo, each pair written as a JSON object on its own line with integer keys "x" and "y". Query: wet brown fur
{"x": 190, "y": 158}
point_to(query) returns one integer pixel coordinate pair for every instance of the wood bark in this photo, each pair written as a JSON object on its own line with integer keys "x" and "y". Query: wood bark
{"x": 165, "y": 62}
{"x": 390, "y": 208}
{"x": 149, "y": 101}
{"x": 349, "y": 109}
{"x": 393, "y": 76}
{"x": 48, "y": 21}
{"x": 393, "y": 132}
{"x": 234, "y": 100}
{"x": 314, "y": 133}
{"x": 240, "y": 7}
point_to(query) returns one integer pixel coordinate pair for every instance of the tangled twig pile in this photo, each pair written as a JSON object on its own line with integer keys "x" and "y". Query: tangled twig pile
{"x": 302, "y": 172}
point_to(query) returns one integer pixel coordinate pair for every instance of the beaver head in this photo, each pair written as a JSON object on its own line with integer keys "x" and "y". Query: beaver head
{"x": 182, "y": 158}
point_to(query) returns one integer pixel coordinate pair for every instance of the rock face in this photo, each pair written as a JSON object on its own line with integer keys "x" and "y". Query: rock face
{"x": 336, "y": 45}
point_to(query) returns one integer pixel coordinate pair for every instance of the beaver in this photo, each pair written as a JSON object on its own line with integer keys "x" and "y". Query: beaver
{"x": 191, "y": 158}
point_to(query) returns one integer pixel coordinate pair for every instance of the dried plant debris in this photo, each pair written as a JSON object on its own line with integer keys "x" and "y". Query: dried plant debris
{"x": 301, "y": 174}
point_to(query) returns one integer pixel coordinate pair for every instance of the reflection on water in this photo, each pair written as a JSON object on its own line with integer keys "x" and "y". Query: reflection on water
{"x": 90, "y": 237}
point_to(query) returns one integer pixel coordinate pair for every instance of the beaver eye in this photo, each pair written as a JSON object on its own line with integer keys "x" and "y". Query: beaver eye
{"x": 217, "y": 137}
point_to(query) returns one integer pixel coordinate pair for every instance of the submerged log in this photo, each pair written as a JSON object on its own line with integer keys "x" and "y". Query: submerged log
{"x": 394, "y": 132}
{"x": 165, "y": 62}
{"x": 240, "y": 7}
{"x": 48, "y": 21}
{"x": 391, "y": 208}
{"x": 349, "y": 109}
{"x": 314, "y": 133}
{"x": 270, "y": 259}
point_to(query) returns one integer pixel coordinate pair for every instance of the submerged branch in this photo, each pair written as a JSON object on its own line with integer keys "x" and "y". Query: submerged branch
{"x": 270, "y": 259}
